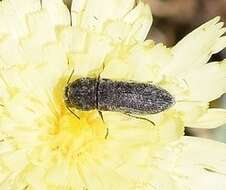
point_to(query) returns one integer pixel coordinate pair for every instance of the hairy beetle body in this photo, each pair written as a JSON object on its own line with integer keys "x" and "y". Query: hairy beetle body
{"x": 117, "y": 96}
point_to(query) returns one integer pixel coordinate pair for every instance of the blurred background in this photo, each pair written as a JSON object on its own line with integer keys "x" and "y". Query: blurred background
{"x": 173, "y": 19}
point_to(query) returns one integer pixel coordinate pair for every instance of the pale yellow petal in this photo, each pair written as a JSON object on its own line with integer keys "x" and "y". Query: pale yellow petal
{"x": 191, "y": 110}
{"x": 72, "y": 39}
{"x": 141, "y": 23}
{"x": 117, "y": 30}
{"x": 28, "y": 77}
{"x": 196, "y": 48}
{"x": 196, "y": 114}
{"x": 34, "y": 177}
{"x": 207, "y": 82}
{"x": 58, "y": 12}
{"x": 41, "y": 28}
{"x": 16, "y": 161}
{"x": 90, "y": 63}
{"x": 212, "y": 119}
{"x": 171, "y": 127}
{"x": 63, "y": 172}
{"x": 101, "y": 181}
{"x": 142, "y": 62}
{"x": 133, "y": 27}
{"x": 7, "y": 60}
{"x": 129, "y": 24}
{"x": 194, "y": 163}
{"x": 220, "y": 44}
{"x": 13, "y": 16}
{"x": 96, "y": 12}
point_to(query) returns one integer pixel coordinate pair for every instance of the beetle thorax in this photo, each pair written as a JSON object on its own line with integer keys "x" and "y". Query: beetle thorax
{"x": 81, "y": 94}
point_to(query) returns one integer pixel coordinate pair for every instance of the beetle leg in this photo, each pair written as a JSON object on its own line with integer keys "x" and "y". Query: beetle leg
{"x": 142, "y": 118}
{"x": 107, "y": 133}
{"x": 101, "y": 115}
{"x": 102, "y": 118}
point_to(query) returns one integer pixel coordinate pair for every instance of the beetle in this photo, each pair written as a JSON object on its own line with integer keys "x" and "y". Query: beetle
{"x": 127, "y": 97}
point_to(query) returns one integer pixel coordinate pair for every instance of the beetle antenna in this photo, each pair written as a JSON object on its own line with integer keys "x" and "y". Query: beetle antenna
{"x": 142, "y": 118}
{"x": 69, "y": 79}
{"x": 72, "y": 112}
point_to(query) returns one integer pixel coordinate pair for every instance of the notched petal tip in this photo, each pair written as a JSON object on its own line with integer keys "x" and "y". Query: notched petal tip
{"x": 196, "y": 48}
{"x": 120, "y": 20}
{"x": 207, "y": 82}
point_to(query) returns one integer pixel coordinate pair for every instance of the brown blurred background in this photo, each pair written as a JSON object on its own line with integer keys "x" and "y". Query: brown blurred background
{"x": 173, "y": 19}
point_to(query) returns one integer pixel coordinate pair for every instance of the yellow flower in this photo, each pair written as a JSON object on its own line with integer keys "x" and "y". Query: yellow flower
{"x": 43, "y": 146}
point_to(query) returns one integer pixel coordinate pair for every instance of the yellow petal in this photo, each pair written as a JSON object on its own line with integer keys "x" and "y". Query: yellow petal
{"x": 28, "y": 77}
{"x": 142, "y": 23}
{"x": 133, "y": 27}
{"x": 191, "y": 110}
{"x": 207, "y": 82}
{"x": 194, "y": 163}
{"x": 16, "y": 161}
{"x": 13, "y": 16}
{"x": 101, "y": 181}
{"x": 171, "y": 127}
{"x": 197, "y": 115}
{"x": 93, "y": 18}
{"x": 97, "y": 48}
{"x": 142, "y": 62}
{"x": 62, "y": 172}
{"x": 34, "y": 177}
{"x": 72, "y": 39}
{"x": 130, "y": 23}
{"x": 117, "y": 30}
{"x": 41, "y": 28}
{"x": 220, "y": 44}
{"x": 58, "y": 12}
{"x": 7, "y": 60}
{"x": 196, "y": 48}
{"x": 212, "y": 119}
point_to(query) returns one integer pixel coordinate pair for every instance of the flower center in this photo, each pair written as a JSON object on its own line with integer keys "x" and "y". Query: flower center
{"x": 68, "y": 134}
{"x": 73, "y": 136}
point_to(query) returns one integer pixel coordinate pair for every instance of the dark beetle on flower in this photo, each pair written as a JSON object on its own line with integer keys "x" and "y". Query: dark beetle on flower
{"x": 127, "y": 97}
